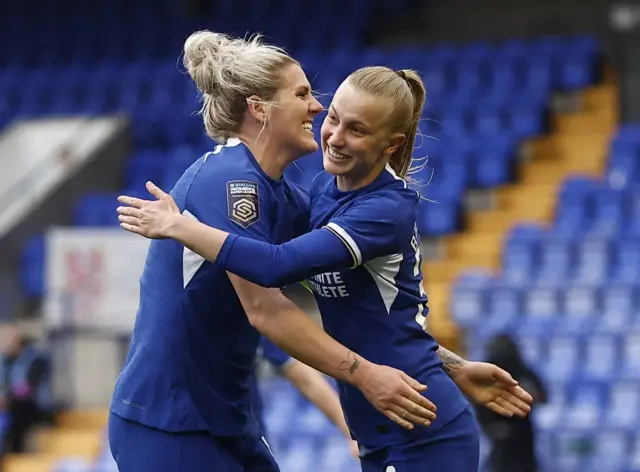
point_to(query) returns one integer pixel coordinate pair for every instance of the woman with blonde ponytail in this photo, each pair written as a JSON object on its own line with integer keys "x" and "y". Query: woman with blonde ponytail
{"x": 361, "y": 258}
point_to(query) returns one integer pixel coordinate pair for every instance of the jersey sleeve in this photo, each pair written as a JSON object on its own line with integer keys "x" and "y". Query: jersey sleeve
{"x": 371, "y": 228}
{"x": 231, "y": 201}
{"x": 376, "y": 227}
{"x": 274, "y": 355}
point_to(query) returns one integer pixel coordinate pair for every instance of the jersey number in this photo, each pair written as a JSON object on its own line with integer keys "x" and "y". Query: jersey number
{"x": 420, "y": 318}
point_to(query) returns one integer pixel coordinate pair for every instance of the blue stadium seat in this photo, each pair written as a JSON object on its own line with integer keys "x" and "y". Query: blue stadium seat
{"x": 616, "y": 307}
{"x": 562, "y": 359}
{"x": 557, "y": 261}
{"x": 631, "y": 355}
{"x": 624, "y": 406}
{"x": 586, "y": 403}
{"x": 439, "y": 217}
{"x": 519, "y": 262}
{"x": 602, "y": 357}
{"x": 579, "y": 310}
{"x": 593, "y": 262}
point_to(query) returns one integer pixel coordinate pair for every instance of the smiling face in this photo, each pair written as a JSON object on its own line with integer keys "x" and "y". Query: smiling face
{"x": 357, "y": 137}
{"x": 290, "y": 120}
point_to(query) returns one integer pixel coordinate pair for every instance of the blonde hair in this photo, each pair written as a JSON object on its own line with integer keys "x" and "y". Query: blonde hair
{"x": 229, "y": 70}
{"x": 405, "y": 89}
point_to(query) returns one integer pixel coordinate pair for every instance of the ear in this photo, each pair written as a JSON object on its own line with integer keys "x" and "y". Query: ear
{"x": 257, "y": 108}
{"x": 395, "y": 142}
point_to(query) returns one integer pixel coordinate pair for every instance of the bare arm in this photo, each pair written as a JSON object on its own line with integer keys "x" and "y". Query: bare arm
{"x": 451, "y": 362}
{"x": 280, "y": 320}
{"x": 318, "y": 391}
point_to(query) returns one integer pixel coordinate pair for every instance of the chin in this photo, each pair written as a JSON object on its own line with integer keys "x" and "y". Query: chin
{"x": 332, "y": 167}
{"x": 309, "y": 147}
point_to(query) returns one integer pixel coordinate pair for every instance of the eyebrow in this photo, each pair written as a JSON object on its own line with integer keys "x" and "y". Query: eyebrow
{"x": 355, "y": 122}
{"x": 304, "y": 88}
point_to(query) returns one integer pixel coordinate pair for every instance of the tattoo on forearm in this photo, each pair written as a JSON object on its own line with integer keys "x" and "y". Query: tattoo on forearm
{"x": 450, "y": 362}
{"x": 351, "y": 364}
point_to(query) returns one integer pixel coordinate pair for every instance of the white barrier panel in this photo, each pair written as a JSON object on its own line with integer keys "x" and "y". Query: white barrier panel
{"x": 92, "y": 278}
{"x": 38, "y": 156}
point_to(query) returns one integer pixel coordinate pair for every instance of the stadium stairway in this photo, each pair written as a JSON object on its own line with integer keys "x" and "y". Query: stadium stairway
{"x": 577, "y": 144}
{"x": 78, "y": 435}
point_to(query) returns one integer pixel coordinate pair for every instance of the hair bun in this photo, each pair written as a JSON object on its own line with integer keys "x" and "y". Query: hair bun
{"x": 204, "y": 54}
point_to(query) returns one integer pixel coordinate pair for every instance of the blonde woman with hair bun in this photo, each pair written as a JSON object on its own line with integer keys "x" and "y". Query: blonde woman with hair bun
{"x": 182, "y": 401}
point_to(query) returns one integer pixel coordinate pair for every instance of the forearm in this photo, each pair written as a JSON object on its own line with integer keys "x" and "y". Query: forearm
{"x": 451, "y": 362}
{"x": 318, "y": 391}
{"x": 277, "y": 265}
{"x": 265, "y": 264}
{"x": 300, "y": 337}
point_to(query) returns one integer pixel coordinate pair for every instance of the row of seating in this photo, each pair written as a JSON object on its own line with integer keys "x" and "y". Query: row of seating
{"x": 568, "y": 294}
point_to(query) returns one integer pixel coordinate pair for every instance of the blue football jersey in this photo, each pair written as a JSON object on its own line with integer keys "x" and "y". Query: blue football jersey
{"x": 378, "y": 308}
{"x": 362, "y": 260}
{"x": 192, "y": 351}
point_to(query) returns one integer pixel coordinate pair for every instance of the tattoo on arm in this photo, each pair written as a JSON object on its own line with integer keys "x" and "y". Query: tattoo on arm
{"x": 351, "y": 364}
{"x": 451, "y": 362}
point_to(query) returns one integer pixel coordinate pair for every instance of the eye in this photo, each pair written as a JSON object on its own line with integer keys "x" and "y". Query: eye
{"x": 357, "y": 131}
{"x": 332, "y": 118}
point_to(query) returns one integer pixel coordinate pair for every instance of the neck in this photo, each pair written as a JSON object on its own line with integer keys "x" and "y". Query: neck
{"x": 272, "y": 159}
{"x": 349, "y": 182}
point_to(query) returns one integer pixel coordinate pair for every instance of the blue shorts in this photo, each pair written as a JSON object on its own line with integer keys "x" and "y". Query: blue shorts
{"x": 455, "y": 447}
{"x": 138, "y": 448}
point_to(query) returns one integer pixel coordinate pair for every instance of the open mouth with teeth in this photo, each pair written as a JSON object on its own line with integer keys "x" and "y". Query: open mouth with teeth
{"x": 307, "y": 126}
{"x": 337, "y": 155}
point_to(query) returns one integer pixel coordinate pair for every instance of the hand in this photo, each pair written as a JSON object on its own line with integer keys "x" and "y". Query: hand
{"x": 492, "y": 387}
{"x": 397, "y": 396}
{"x": 151, "y": 219}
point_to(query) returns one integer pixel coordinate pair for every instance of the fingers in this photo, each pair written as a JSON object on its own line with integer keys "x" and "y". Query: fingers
{"x": 132, "y": 228}
{"x": 397, "y": 419}
{"x": 413, "y": 383}
{"x": 129, "y": 211}
{"x": 519, "y": 407}
{"x": 522, "y": 394}
{"x": 130, "y": 220}
{"x": 156, "y": 191}
{"x": 421, "y": 402}
{"x": 406, "y": 414}
{"x": 510, "y": 407}
{"x": 131, "y": 201}
{"x": 493, "y": 406}
{"x": 504, "y": 377}
{"x": 425, "y": 413}
{"x": 513, "y": 409}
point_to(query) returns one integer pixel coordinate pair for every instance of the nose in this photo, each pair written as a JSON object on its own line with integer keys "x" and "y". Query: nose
{"x": 315, "y": 106}
{"x": 336, "y": 138}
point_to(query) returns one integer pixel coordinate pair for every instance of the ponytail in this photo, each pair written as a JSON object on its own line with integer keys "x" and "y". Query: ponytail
{"x": 400, "y": 161}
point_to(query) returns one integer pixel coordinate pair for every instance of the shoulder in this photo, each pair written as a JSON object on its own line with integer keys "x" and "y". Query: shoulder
{"x": 228, "y": 162}
{"x": 392, "y": 201}
{"x": 226, "y": 174}
{"x": 228, "y": 187}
